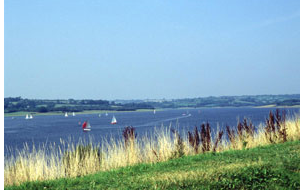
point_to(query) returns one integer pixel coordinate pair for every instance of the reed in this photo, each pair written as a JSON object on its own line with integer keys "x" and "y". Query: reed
{"x": 68, "y": 159}
{"x": 275, "y": 129}
{"x": 194, "y": 139}
{"x": 231, "y": 136}
{"x": 205, "y": 137}
{"x": 218, "y": 140}
{"x": 129, "y": 136}
{"x": 179, "y": 145}
{"x": 85, "y": 158}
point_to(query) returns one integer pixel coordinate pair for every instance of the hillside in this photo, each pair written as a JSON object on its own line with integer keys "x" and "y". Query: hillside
{"x": 274, "y": 166}
{"x": 18, "y": 104}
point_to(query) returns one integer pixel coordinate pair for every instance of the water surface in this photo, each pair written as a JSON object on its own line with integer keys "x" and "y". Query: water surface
{"x": 48, "y": 129}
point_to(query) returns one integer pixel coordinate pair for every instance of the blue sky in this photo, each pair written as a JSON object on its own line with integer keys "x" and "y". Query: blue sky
{"x": 150, "y": 49}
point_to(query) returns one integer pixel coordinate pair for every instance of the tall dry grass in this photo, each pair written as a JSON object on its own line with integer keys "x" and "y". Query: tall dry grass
{"x": 68, "y": 159}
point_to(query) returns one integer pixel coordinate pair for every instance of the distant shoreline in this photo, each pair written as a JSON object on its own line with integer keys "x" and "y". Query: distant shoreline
{"x": 23, "y": 113}
{"x": 274, "y": 106}
{"x": 77, "y": 113}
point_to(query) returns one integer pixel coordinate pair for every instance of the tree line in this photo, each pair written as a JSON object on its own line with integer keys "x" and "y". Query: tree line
{"x": 15, "y": 104}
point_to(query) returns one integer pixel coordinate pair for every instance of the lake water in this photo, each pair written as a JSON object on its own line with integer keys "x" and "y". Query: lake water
{"x": 49, "y": 129}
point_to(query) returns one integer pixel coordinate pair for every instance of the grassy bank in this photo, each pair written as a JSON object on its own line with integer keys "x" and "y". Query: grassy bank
{"x": 165, "y": 144}
{"x": 274, "y": 166}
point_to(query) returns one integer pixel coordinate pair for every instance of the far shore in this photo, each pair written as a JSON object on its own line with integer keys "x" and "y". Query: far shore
{"x": 23, "y": 113}
{"x": 274, "y": 106}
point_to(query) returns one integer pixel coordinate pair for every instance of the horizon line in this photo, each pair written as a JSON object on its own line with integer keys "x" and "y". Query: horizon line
{"x": 154, "y": 98}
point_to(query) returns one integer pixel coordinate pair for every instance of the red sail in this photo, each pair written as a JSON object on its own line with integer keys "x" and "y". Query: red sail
{"x": 84, "y": 125}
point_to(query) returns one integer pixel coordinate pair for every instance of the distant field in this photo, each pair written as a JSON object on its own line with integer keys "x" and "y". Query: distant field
{"x": 63, "y": 105}
{"x": 267, "y": 167}
{"x": 274, "y": 106}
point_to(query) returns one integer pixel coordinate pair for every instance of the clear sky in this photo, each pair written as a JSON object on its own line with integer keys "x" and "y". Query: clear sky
{"x": 138, "y": 49}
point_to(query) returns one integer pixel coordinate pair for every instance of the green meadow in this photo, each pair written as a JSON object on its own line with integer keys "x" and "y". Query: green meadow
{"x": 275, "y": 166}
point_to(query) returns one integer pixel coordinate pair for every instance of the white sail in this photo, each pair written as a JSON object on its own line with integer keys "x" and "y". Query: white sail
{"x": 73, "y": 114}
{"x": 106, "y": 114}
{"x": 114, "y": 120}
{"x": 154, "y": 111}
{"x": 88, "y": 127}
{"x": 26, "y": 116}
{"x": 30, "y": 117}
{"x": 66, "y": 114}
{"x": 99, "y": 115}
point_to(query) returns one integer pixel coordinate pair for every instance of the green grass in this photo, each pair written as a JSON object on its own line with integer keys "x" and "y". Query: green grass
{"x": 269, "y": 167}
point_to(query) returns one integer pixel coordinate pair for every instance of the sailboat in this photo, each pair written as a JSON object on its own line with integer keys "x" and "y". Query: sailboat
{"x": 73, "y": 114}
{"x": 86, "y": 126}
{"x": 27, "y": 117}
{"x": 66, "y": 114}
{"x": 99, "y": 115}
{"x": 30, "y": 117}
{"x": 154, "y": 111}
{"x": 106, "y": 114}
{"x": 114, "y": 120}
{"x": 187, "y": 113}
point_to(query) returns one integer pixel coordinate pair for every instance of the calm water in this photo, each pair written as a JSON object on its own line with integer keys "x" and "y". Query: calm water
{"x": 49, "y": 129}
